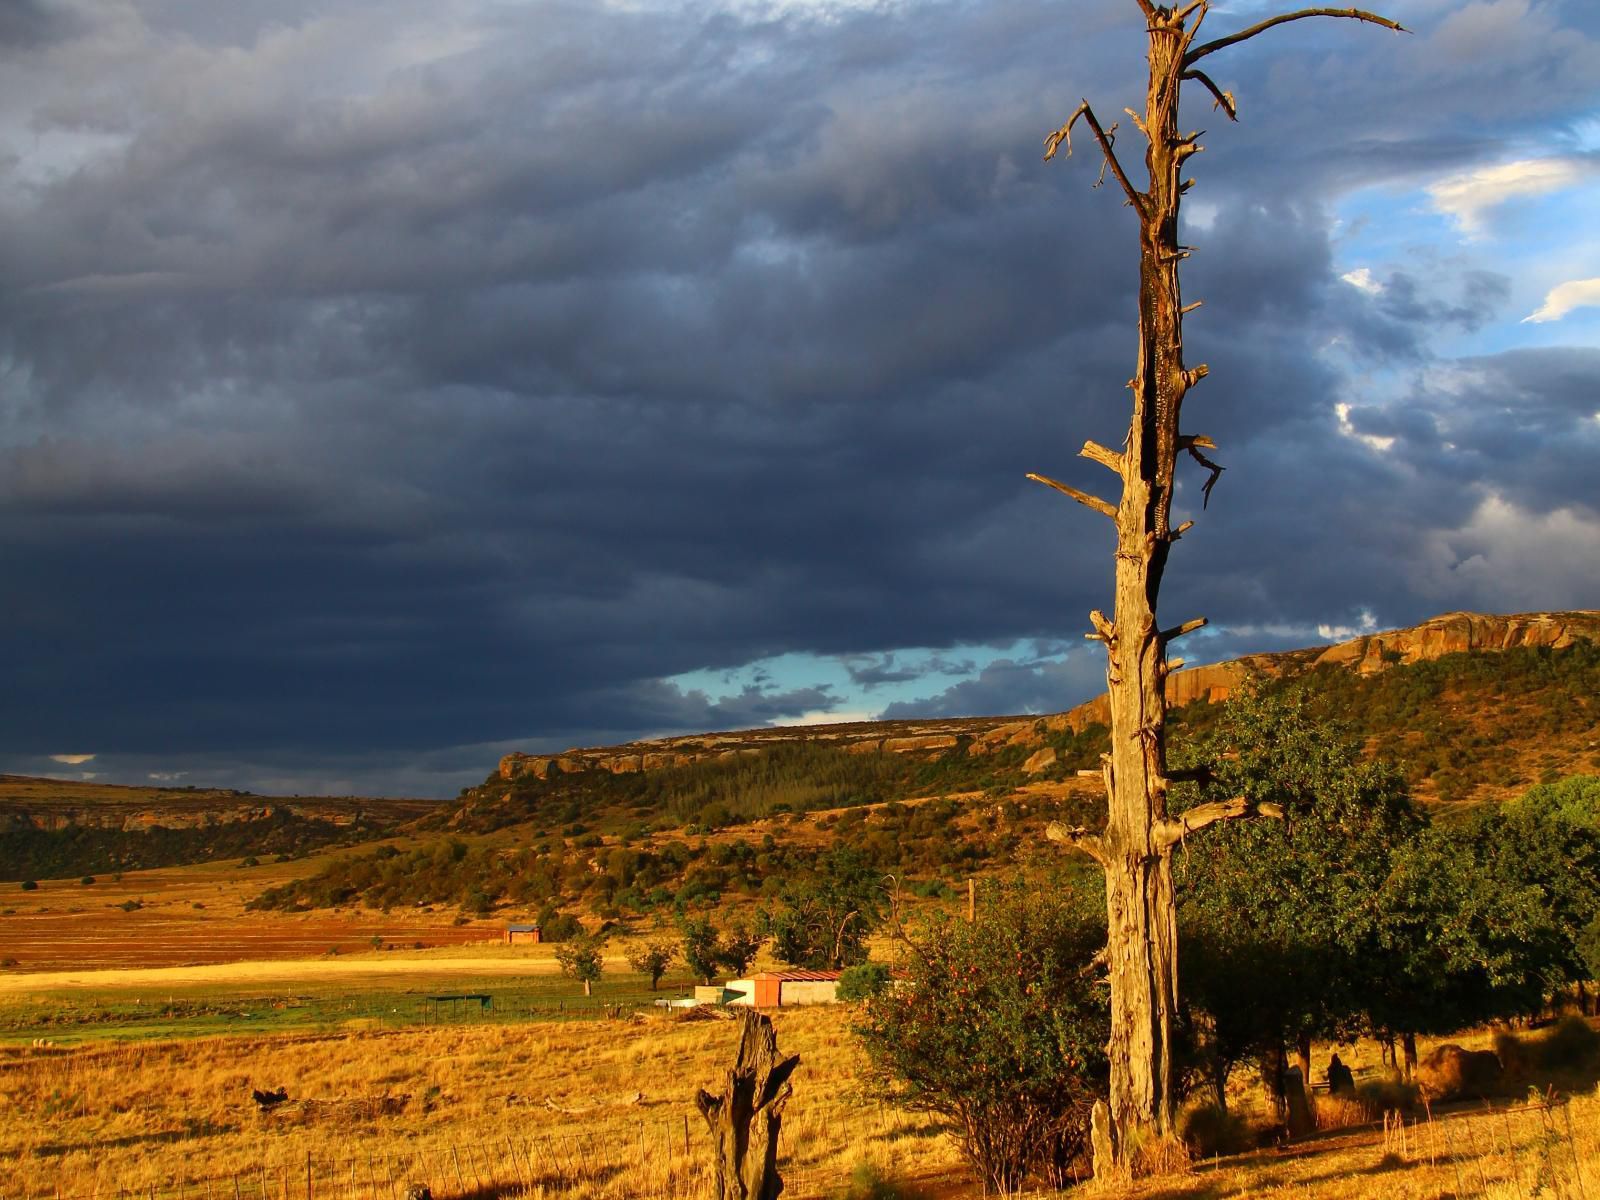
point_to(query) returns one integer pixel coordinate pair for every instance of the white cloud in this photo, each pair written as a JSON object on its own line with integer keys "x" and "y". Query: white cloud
{"x": 72, "y": 760}
{"x": 1468, "y": 197}
{"x": 1506, "y": 558}
{"x": 1343, "y": 633}
{"x": 1371, "y": 440}
{"x": 1361, "y": 279}
{"x": 823, "y": 717}
{"x": 1563, "y": 298}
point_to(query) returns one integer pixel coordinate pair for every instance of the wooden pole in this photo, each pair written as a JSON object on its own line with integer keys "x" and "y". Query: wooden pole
{"x": 972, "y": 900}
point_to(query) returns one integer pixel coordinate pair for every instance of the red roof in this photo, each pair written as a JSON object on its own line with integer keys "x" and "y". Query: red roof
{"x": 801, "y": 976}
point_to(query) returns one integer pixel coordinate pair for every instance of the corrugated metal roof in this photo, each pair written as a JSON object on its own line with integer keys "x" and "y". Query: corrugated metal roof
{"x": 801, "y": 976}
{"x": 522, "y": 929}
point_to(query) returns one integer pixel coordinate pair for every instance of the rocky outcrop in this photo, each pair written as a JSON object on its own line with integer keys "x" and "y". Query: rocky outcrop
{"x": 1214, "y": 682}
{"x": 1040, "y": 760}
{"x": 1459, "y": 632}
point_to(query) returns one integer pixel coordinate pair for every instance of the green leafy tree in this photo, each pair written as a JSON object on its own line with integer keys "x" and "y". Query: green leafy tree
{"x": 1458, "y": 945}
{"x": 1589, "y": 948}
{"x": 999, "y": 1028}
{"x": 702, "y": 947}
{"x": 1484, "y": 918}
{"x": 1575, "y": 799}
{"x": 1277, "y": 918}
{"x": 823, "y": 920}
{"x": 739, "y": 946}
{"x": 863, "y": 981}
{"x": 652, "y": 959}
{"x": 580, "y": 959}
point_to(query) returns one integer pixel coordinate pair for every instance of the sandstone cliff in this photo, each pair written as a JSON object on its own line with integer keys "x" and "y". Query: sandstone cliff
{"x": 1448, "y": 634}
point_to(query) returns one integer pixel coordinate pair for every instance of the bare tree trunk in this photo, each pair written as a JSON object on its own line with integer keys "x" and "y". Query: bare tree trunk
{"x": 1408, "y": 1046}
{"x": 1135, "y": 849}
{"x": 745, "y": 1119}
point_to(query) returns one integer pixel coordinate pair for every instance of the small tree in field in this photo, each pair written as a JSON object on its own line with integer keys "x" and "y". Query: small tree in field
{"x": 1135, "y": 849}
{"x": 824, "y": 920}
{"x": 652, "y": 959}
{"x": 739, "y": 947}
{"x": 580, "y": 959}
{"x": 702, "y": 948}
{"x": 998, "y": 1029}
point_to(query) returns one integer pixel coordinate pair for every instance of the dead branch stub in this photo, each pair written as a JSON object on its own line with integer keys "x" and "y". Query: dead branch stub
{"x": 745, "y": 1119}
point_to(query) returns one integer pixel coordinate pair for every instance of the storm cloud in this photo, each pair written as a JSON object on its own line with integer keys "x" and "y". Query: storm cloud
{"x": 383, "y": 386}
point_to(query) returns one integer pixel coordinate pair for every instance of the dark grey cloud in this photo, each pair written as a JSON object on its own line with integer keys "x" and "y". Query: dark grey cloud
{"x": 1012, "y": 686}
{"x": 386, "y": 386}
{"x": 29, "y": 24}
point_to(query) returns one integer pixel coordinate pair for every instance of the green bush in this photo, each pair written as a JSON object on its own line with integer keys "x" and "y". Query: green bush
{"x": 30, "y": 885}
{"x": 558, "y": 926}
{"x": 998, "y": 1029}
{"x": 863, "y": 981}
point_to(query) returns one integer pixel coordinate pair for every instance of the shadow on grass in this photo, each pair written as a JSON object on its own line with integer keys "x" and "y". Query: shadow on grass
{"x": 165, "y": 1138}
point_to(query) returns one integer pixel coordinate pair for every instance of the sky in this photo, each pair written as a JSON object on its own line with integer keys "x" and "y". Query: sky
{"x": 386, "y": 385}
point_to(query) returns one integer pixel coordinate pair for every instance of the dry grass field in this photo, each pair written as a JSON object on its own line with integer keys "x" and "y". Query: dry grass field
{"x": 181, "y": 916}
{"x": 601, "y": 1110}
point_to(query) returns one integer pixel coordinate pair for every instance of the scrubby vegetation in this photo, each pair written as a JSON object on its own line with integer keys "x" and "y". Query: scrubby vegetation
{"x": 1460, "y": 723}
{"x": 1000, "y": 1031}
{"x": 79, "y": 850}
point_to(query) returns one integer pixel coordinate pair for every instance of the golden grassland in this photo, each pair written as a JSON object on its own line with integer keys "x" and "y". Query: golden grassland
{"x": 178, "y": 916}
{"x": 602, "y": 1109}
{"x": 604, "y": 1106}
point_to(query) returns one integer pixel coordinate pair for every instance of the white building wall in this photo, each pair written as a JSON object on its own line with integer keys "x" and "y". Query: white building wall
{"x": 809, "y": 992}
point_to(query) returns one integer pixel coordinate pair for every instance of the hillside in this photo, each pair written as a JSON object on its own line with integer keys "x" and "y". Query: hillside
{"x": 1356, "y": 675}
{"x": 1471, "y": 708}
{"x": 57, "y": 828}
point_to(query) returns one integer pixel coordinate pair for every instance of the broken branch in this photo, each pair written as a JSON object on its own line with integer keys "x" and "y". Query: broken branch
{"x": 1234, "y": 39}
{"x": 1175, "y": 829}
{"x": 1216, "y": 470}
{"x": 1103, "y": 629}
{"x": 1064, "y": 134}
{"x": 1084, "y": 498}
{"x": 1078, "y": 838}
{"x": 1224, "y": 100}
{"x": 1177, "y": 631}
{"x": 1103, "y": 455}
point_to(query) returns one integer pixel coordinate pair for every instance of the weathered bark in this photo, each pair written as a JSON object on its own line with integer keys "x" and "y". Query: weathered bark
{"x": 745, "y": 1119}
{"x": 1135, "y": 849}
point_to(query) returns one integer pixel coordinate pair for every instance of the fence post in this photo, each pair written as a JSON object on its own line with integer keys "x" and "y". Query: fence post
{"x": 308, "y": 1175}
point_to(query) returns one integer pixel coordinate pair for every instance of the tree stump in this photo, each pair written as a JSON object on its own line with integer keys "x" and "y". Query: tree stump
{"x": 744, "y": 1120}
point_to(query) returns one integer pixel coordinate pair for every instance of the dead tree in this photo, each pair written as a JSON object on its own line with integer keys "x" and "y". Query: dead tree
{"x": 1135, "y": 848}
{"x": 744, "y": 1120}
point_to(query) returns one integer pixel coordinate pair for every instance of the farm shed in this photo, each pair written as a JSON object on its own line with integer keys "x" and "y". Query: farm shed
{"x": 516, "y": 934}
{"x": 778, "y": 989}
